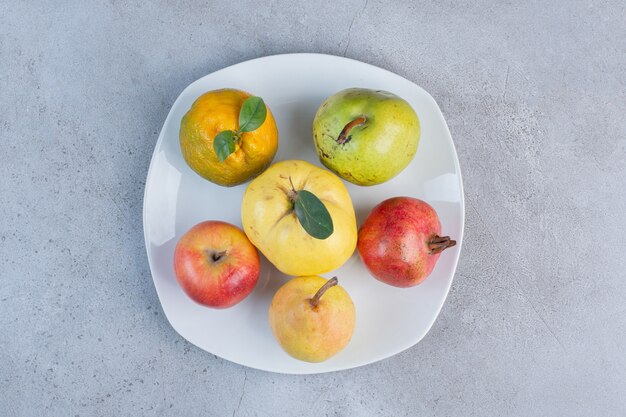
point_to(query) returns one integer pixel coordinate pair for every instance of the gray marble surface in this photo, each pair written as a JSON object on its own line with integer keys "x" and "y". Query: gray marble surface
{"x": 534, "y": 94}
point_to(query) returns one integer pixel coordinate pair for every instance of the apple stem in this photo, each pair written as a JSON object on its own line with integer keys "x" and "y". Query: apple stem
{"x": 343, "y": 136}
{"x": 216, "y": 256}
{"x": 316, "y": 298}
{"x": 440, "y": 243}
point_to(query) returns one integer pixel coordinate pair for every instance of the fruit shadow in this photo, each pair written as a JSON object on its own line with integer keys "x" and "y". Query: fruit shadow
{"x": 270, "y": 280}
{"x": 297, "y": 117}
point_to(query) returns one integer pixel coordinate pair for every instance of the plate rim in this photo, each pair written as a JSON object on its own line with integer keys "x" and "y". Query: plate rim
{"x": 459, "y": 240}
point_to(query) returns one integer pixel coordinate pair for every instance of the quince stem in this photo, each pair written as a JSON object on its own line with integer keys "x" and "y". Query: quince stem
{"x": 316, "y": 298}
{"x": 293, "y": 194}
{"x": 344, "y": 135}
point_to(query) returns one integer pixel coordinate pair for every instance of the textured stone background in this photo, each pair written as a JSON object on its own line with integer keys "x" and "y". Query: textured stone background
{"x": 534, "y": 94}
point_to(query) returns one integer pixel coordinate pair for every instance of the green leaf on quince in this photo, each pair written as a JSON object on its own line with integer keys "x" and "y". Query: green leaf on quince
{"x": 252, "y": 114}
{"x": 313, "y": 215}
{"x": 224, "y": 144}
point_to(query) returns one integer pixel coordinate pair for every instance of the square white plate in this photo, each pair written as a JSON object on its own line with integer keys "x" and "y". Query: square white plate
{"x": 389, "y": 320}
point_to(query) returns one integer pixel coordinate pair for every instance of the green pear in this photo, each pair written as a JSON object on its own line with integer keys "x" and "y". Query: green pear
{"x": 366, "y": 136}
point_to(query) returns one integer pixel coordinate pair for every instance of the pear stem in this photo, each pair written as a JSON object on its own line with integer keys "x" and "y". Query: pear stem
{"x": 438, "y": 244}
{"x": 316, "y": 298}
{"x": 343, "y": 136}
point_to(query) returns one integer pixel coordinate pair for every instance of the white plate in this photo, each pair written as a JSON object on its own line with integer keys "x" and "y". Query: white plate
{"x": 389, "y": 320}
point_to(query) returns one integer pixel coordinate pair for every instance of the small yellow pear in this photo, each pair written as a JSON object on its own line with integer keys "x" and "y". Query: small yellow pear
{"x": 312, "y": 318}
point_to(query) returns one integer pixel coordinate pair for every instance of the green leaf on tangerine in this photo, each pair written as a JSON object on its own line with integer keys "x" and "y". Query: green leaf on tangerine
{"x": 224, "y": 144}
{"x": 313, "y": 215}
{"x": 252, "y": 114}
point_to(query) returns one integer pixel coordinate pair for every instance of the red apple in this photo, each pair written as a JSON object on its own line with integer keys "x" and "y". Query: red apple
{"x": 216, "y": 265}
{"x": 400, "y": 241}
